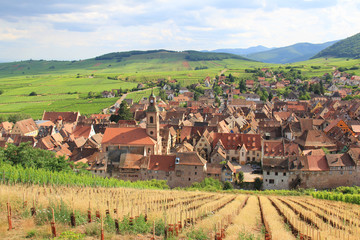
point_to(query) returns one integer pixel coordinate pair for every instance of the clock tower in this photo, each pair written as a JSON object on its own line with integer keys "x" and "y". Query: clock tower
{"x": 152, "y": 119}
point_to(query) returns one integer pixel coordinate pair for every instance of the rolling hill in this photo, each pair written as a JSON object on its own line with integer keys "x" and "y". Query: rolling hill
{"x": 132, "y": 61}
{"x": 347, "y": 48}
{"x": 293, "y": 53}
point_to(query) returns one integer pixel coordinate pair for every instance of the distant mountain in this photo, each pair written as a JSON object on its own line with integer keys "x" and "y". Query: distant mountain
{"x": 241, "y": 51}
{"x": 347, "y": 48}
{"x": 293, "y": 53}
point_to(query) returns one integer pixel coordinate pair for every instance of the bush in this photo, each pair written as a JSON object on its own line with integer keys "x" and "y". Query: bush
{"x": 69, "y": 235}
{"x": 196, "y": 235}
{"x": 33, "y": 94}
{"x": 227, "y": 186}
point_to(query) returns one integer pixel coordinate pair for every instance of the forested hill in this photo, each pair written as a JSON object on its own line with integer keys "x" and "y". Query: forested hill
{"x": 189, "y": 55}
{"x": 347, "y": 48}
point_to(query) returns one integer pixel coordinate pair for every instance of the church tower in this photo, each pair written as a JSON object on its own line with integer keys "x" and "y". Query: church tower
{"x": 152, "y": 119}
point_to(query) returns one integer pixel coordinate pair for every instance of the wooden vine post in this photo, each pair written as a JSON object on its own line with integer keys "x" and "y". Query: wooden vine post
{"x": 53, "y": 227}
{"x": 102, "y": 229}
{"x": 9, "y": 216}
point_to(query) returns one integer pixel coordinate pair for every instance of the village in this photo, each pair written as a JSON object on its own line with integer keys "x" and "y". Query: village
{"x": 297, "y": 140}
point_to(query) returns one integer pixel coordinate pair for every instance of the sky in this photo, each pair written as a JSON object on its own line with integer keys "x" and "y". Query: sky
{"x": 80, "y": 29}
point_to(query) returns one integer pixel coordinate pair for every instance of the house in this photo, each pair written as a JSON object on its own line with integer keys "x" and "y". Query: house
{"x": 107, "y": 94}
{"x": 189, "y": 168}
{"x": 6, "y": 127}
{"x": 26, "y": 127}
{"x": 275, "y": 173}
{"x": 249, "y": 84}
{"x": 85, "y": 131}
{"x": 183, "y": 90}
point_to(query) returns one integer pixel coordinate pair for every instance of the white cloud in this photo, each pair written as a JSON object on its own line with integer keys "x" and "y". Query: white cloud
{"x": 86, "y": 29}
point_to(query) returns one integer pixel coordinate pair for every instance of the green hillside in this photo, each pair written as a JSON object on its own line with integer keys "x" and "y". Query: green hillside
{"x": 64, "y": 85}
{"x": 290, "y": 54}
{"x": 347, "y": 48}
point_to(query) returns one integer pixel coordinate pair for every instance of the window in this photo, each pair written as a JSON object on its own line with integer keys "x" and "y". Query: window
{"x": 178, "y": 173}
{"x": 276, "y": 173}
{"x": 189, "y": 179}
{"x": 242, "y": 154}
{"x": 151, "y": 119}
{"x": 195, "y": 167}
{"x": 282, "y": 180}
{"x": 284, "y": 174}
{"x": 350, "y": 172}
{"x": 267, "y": 173}
{"x": 151, "y": 132}
{"x": 271, "y": 181}
{"x": 265, "y": 180}
{"x": 195, "y": 173}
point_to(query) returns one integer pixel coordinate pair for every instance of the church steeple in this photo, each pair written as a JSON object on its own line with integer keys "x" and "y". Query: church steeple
{"x": 152, "y": 118}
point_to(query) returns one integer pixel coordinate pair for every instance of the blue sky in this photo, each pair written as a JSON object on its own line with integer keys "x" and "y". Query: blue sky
{"x": 71, "y": 30}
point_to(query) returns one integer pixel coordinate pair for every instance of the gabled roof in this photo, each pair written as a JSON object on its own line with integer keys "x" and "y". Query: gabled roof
{"x": 131, "y": 161}
{"x": 127, "y": 136}
{"x": 82, "y": 131}
{"x": 69, "y": 117}
{"x": 339, "y": 160}
{"x": 317, "y": 163}
{"x": 190, "y": 158}
{"x": 233, "y": 140}
{"x": 162, "y": 163}
{"x": 314, "y": 138}
{"x": 26, "y": 125}
{"x": 7, "y": 126}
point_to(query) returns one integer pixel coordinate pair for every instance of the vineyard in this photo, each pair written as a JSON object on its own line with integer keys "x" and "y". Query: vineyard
{"x": 38, "y": 212}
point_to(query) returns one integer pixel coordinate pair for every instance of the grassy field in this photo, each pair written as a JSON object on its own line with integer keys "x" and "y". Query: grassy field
{"x": 145, "y": 213}
{"x": 64, "y": 85}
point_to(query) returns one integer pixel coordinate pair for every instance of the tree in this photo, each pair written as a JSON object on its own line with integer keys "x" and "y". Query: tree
{"x": 18, "y": 117}
{"x": 162, "y": 95}
{"x": 33, "y": 94}
{"x": 123, "y": 113}
{"x": 240, "y": 178}
{"x": 270, "y": 96}
{"x": 242, "y": 86}
{"x": 1, "y": 91}
{"x": 217, "y": 100}
{"x": 227, "y": 186}
{"x": 258, "y": 183}
{"x": 27, "y": 156}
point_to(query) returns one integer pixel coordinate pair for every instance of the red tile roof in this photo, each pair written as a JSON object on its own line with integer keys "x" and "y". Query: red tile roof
{"x": 70, "y": 117}
{"x": 233, "y": 140}
{"x": 317, "y": 163}
{"x": 81, "y": 131}
{"x": 127, "y": 136}
{"x": 162, "y": 163}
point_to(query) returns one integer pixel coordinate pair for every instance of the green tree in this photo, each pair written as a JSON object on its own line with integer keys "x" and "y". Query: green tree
{"x": 162, "y": 95}
{"x": 217, "y": 90}
{"x": 123, "y": 113}
{"x": 18, "y": 117}
{"x": 242, "y": 86}
{"x": 33, "y": 94}
{"x": 227, "y": 186}
{"x": 240, "y": 177}
{"x": 258, "y": 183}
{"x": 27, "y": 156}
{"x": 270, "y": 96}
{"x": 217, "y": 100}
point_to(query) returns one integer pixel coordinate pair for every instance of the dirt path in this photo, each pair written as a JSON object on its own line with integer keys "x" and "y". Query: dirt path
{"x": 223, "y": 71}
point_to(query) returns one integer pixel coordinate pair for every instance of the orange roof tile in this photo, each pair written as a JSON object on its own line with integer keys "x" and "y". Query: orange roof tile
{"x": 127, "y": 136}
{"x": 162, "y": 163}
